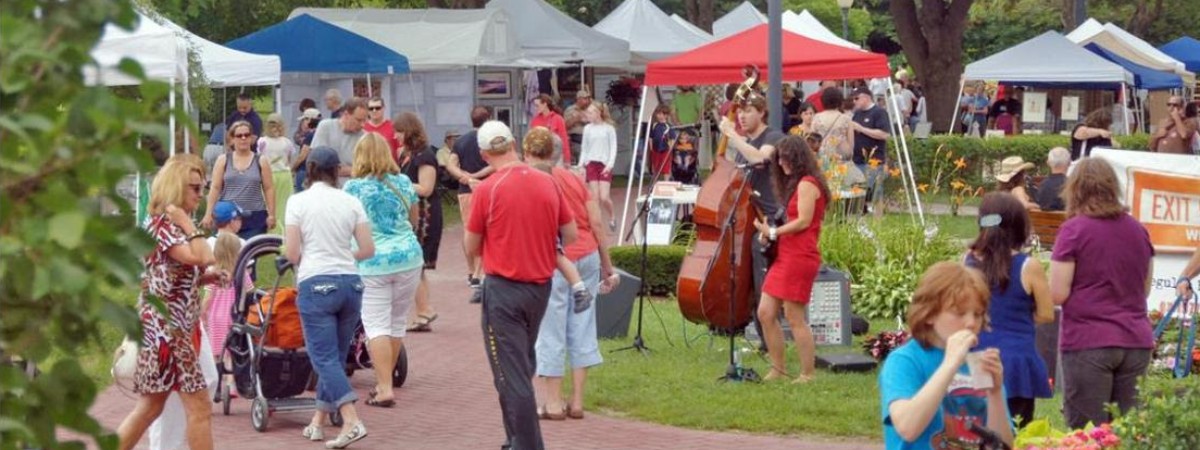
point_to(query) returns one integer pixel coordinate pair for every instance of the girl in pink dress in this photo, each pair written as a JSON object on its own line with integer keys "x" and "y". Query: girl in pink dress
{"x": 218, "y": 306}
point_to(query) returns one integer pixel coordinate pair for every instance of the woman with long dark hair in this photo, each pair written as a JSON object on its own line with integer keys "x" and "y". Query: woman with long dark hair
{"x": 796, "y": 177}
{"x": 418, "y": 160}
{"x": 1020, "y": 299}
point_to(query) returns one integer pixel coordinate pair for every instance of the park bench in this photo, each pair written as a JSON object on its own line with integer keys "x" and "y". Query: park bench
{"x": 1045, "y": 226}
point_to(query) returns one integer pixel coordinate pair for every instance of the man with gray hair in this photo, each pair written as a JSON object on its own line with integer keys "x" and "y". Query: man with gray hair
{"x": 333, "y": 101}
{"x": 1049, "y": 193}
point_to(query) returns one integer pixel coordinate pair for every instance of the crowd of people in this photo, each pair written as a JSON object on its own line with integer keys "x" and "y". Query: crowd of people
{"x": 358, "y": 199}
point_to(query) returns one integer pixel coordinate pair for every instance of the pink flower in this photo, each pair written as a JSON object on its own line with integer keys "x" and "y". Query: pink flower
{"x": 1111, "y": 440}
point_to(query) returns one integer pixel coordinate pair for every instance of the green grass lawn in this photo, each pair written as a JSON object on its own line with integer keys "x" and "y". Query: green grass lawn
{"x": 676, "y": 384}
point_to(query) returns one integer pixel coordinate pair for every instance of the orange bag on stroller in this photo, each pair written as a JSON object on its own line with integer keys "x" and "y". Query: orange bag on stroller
{"x": 285, "y": 331}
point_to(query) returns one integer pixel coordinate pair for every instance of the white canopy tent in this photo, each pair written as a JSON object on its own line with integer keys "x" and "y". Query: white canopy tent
{"x": 224, "y": 66}
{"x": 650, "y": 32}
{"x": 691, "y": 27}
{"x": 805, "y": 24}
{"x": 1048, "y": 59}
{"x": 162, "y": 55}
{"x": 744, "y": 17}
{"x": 546, "y": 34}
{"x": 433, "y": 39}
{"x": 1128, "y": 46}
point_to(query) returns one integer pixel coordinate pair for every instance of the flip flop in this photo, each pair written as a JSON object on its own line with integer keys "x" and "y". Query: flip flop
{"x": 428, "y": 319}
{"x": 381, "y": 403}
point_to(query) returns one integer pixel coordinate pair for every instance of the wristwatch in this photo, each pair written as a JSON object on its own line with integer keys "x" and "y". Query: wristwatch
{"x": 772, "y": 233}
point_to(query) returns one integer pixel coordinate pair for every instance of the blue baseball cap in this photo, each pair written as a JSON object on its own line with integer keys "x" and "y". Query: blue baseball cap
{"x": 324, "y": 158}
{"x": 225, "y": 211}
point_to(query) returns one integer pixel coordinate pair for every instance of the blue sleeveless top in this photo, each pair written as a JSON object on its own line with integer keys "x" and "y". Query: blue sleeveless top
{"x": 1013, "y": 331}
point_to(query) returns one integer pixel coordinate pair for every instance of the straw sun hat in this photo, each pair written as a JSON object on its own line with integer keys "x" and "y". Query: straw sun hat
{"x": 1010, "y": 167}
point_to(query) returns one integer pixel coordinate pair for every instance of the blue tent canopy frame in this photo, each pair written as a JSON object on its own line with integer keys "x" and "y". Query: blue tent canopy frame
{"x": 1187, "y": 50}
{"x": 307, "y": 44}
{"x": 1143, "y": 77}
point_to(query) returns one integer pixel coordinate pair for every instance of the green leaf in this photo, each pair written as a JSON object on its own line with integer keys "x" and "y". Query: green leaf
{"x": 67, "y": 228}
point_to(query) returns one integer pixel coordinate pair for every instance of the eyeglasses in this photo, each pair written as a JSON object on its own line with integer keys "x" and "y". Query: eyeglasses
{"x": 243, "y": 135}
{"x": 197, "y": 188}
{"x": 374, "y": 108}
{"x": 1174, "y": 105}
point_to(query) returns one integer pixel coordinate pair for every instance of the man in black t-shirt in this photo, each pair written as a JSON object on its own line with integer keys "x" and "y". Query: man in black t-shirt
{"x": 872, "y": 128}
{"x": 754, "y": 146}
{"x": 468, "y": 167}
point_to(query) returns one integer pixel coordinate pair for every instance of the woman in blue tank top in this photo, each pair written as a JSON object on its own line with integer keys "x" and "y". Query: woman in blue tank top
{"x": 1020, "y": 299}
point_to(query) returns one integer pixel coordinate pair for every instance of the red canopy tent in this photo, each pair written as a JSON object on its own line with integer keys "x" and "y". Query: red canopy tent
{"x": 804, "y": 59}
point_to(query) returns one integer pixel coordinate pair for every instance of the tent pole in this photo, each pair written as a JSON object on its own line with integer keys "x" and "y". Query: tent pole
{"x": 171, "y": 117}
{"x": 962, "y": 82}
{"x": 279, "y": 98}
{"x": 637, "y": 133}
{"x": 893, "y": 110}
{"x": 1125, "y": 108}
{"x": 412, "y": 87}
{"x": 907, "y": 159}
{"x": 370, "y": 92}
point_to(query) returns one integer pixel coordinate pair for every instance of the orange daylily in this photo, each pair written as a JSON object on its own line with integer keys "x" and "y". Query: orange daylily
{"x": 956, "y": 184}
{"x": 874, "y": 163}
{"x": 842, "y": 169}
{"x": 895, "y": 171}
{"x": 856, "y": 190}
{"x": 922, "y": 187}
{"x": 960, "y": 163}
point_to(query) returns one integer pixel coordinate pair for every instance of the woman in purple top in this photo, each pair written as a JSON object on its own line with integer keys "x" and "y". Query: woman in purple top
{"x": 1100, "y": 275}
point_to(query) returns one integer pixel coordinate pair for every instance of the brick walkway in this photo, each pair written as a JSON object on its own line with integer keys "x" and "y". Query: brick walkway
{"x": 448, "y": 401}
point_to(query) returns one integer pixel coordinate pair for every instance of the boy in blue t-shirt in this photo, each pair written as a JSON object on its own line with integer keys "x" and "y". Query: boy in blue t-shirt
{"x": 929, "y": 398}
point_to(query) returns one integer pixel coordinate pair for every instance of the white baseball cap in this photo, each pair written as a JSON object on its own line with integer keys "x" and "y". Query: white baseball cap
{"x": 494, "y": 134}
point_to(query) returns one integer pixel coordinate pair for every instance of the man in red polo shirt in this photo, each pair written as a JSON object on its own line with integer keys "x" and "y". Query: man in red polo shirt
{"x": 517, "y": 217}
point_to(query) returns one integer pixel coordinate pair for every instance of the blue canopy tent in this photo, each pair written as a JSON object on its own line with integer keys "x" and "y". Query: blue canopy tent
{"x": 1143, "y": 77}
{"x": 307, "y": 44}
{"x": 1187, "y": 50}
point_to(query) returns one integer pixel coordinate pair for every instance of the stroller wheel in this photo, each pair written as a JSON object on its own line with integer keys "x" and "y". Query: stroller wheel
{"x": 259, "y": 414}
{"x": 400, "y": 372}
{"x": 335, "y": 418}
{"x": 225, "y": 398}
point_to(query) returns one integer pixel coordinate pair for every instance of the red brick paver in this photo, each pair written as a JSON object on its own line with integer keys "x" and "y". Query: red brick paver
{"x": 448, "y": 401}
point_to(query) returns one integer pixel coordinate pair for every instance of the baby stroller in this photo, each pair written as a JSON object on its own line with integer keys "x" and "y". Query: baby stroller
{"x": 265, "y": 344}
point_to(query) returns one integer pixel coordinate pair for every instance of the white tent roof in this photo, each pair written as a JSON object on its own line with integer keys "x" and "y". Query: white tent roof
{"x": 1048, "y": 58}
{"x": 742, "y": 18}
{"x": 224, "y": 66}
{"x": 1128, "y": 46}
{"x": 691, "y": 27}
{"x": 161, "y": 54}
{"x": 432, "y": 39}
{"x": 546, "y": 34}
{"x": 808, "y": 26}
{"x": 650, "y": 32}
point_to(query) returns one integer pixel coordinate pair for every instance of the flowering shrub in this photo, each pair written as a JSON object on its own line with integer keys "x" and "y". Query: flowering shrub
{"x": 882, "y": 344}
{"x": 625, "y": 91}
{"x": 1039, "y": 435}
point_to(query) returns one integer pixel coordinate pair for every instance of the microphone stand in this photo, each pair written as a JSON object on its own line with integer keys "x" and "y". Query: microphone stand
{"x": 638, "y": 343}
{"x": 734, "y": 371}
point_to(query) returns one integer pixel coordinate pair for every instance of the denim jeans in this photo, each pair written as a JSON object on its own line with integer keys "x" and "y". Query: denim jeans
{"x": 330, "y": 306}
{"x": 566, "y": 333}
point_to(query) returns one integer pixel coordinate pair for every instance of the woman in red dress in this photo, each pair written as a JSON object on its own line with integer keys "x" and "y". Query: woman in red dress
{"x": 547, "y": 114}
{"x": 796, "y": 177}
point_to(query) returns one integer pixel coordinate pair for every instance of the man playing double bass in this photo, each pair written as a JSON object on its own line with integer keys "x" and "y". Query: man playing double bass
{"x": 754, "y": 145}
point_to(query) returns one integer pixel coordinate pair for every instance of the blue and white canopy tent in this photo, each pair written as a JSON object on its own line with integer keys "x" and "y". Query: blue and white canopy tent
{"x": 1185, "y": 49}
{"x": 1048, "y": 60}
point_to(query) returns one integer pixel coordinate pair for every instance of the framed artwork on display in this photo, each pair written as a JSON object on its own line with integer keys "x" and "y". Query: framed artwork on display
{"x": 361, "y": 90}
{"x": 493, "y": 85}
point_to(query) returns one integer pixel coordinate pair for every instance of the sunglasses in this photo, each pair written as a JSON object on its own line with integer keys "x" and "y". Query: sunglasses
{"x": 243, "y": 135}
{"x": 197, "y": 188}
{"x": 374, "y": 108}
{"x": 1174, "y": 105}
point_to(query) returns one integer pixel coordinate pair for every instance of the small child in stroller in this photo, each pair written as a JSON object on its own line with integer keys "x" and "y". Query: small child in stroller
{"x": 683, "y": 167}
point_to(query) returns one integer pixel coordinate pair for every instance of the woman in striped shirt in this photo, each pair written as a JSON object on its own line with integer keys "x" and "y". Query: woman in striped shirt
{"x": 242, "y": 177}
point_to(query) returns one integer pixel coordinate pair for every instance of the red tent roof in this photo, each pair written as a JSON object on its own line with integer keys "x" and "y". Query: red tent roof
{"x": 804, "y": 59}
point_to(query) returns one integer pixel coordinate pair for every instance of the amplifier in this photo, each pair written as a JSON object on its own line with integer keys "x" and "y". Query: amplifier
{"x": 846, "y": 362}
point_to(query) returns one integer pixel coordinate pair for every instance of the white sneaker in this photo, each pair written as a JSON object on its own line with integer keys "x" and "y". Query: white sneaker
{"x": 313, "y": 433}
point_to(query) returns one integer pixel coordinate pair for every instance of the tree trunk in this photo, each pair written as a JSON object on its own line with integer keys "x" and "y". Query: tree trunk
{"x": 700, "y": 13}
{"x": 1143, "y": 16}
{"x": 932, "y": 41}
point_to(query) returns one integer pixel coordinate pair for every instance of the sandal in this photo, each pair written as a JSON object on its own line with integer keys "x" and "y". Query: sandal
{"x": 575, "y": 413}
{"x": 545, "y": 414}
{"x": 422, "y": 325}
{"x": 381, "y": 403}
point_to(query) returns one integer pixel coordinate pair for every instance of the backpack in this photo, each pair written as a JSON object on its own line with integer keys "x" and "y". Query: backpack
{"x": 285, "y": 331}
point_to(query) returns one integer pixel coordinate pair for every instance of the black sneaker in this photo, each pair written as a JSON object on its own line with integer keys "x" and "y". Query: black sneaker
{"x": 583, "y": 300}
{"x": 475, "y": 283}
{"x": 477, "y": 296}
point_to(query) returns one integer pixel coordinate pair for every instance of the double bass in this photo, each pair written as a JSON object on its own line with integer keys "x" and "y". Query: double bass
{"x": 715, "y": 284}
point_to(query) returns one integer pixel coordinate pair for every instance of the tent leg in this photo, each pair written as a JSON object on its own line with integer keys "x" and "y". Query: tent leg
{"x": 637, "y": 133}
{"x": 279, "y": 98}
{"x": 412, "y": 86}
{"x": 171, "y": 117}
{"x": 370, "y": 92}
{"x": 954, "y": 117}
{"x": 1125, "y": 108}
{"x": 906, "y": 160}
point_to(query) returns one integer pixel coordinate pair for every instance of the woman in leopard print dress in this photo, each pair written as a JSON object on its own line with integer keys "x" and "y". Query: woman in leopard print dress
{"x": 169, "y": 348}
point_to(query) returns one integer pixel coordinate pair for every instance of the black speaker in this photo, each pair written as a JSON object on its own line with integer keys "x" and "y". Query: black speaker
{"x": 846, "y": 362}
{"x": 614, "y": 309}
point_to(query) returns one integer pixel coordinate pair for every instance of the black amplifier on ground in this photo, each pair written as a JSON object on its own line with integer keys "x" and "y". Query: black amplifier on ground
{"x": 846, "y": 362}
